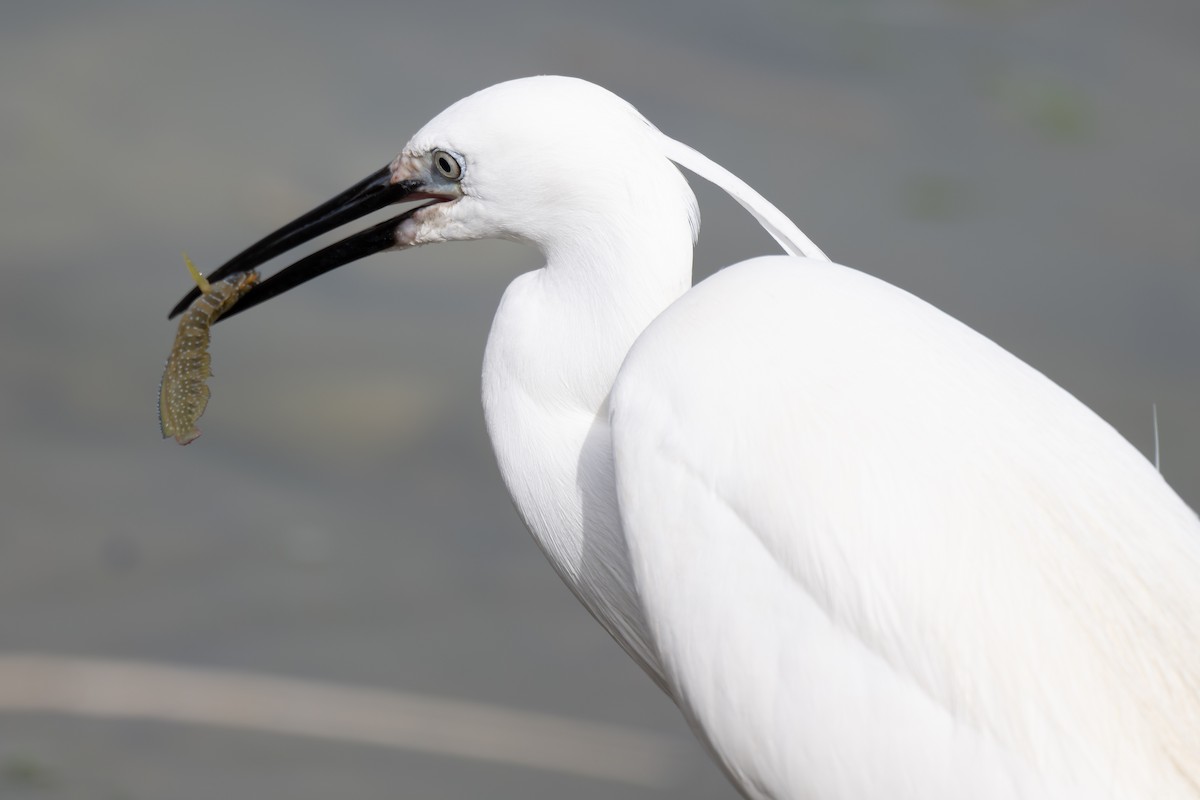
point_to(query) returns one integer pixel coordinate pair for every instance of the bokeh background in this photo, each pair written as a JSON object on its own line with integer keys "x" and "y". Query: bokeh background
{"x": 1030, "y": 166}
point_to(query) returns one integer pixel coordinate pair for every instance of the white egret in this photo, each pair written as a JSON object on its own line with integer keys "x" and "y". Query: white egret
{"x": 868, "y": 552}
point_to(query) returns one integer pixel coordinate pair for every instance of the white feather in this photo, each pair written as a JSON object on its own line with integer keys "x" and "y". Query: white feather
{"x": 783, "y": 230}
{"x": 864, "y": 534}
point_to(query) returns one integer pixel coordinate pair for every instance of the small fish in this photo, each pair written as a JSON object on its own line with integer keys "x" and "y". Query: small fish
{"x": 183, "y": 393}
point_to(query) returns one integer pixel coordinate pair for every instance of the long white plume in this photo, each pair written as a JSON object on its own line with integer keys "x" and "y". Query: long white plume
{"x": 784, "y": 231}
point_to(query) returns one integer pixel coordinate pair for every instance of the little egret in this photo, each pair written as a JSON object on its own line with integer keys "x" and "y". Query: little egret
{"x": 868, "y": 552}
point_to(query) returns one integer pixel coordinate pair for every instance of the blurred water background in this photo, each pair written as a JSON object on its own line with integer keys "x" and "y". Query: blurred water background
{"x": 1030, "y": 166}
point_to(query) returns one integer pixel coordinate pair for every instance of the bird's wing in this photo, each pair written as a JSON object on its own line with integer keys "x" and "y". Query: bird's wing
{"x": 881, "y": 556}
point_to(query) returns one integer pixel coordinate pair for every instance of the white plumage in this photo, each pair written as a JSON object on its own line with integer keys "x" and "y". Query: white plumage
{"x": 882, "y": 557}
{"x": 867, "y": 551}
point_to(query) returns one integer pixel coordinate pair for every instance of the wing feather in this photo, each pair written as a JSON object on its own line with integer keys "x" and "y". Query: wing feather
{"x": 834, "y": 492}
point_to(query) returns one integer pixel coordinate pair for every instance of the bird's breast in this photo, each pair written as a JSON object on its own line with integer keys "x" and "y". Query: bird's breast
{"x": 553, "y": 448}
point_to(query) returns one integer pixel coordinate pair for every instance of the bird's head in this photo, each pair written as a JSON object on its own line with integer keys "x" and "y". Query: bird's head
{"x": 537, "y": 160}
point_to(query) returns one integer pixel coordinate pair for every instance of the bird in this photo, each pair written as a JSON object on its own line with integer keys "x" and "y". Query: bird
{"x": 868, "y": 552}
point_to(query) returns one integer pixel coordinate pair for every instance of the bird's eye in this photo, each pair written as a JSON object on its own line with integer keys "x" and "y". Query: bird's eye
{"x": 447, "y": 164}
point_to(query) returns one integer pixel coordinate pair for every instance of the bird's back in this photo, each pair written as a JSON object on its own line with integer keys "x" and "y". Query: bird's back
{"x": 880, "y": 556}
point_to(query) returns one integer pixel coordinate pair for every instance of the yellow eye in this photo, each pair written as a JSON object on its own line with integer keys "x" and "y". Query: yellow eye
{"x": 447, "y": 164}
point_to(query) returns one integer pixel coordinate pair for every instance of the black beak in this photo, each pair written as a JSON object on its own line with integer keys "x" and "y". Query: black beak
{"x": 370, "y": 194}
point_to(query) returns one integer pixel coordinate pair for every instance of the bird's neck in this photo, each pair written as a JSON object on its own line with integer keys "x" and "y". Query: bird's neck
{"x": 557, "y": 343}
{"x": 600, "y": 294}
